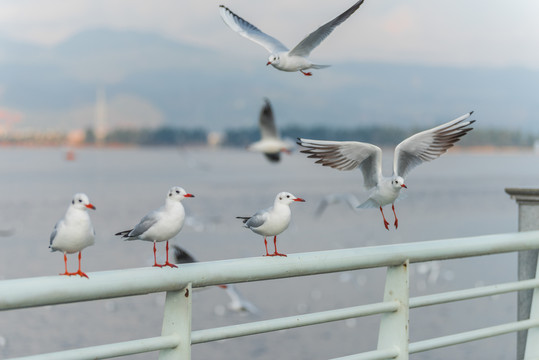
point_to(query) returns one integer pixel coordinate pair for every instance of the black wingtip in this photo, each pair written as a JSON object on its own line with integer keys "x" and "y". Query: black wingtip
{"x": 471, "y": 112}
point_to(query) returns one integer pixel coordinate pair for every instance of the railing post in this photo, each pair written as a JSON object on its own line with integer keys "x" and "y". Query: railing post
{"x": 528, "y": 219}
{"x": 177, "y": 320}
{"x": 532, "y": 340}
{"x": 394, "y": 326}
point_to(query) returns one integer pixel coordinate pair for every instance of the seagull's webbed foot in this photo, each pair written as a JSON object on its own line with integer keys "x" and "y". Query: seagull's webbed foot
{"x": 306, "y": 73}
{"x": 80, "y": 273}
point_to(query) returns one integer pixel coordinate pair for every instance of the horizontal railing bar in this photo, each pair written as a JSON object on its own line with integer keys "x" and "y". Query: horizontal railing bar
{"x": 473, "y": 335}
{"x": 259, "y": 327}
{"x": 21, "y": 293}
{"x": 468, "y": 294}
{"x": 111, "y": 350}
{"x": 373, "y": 355}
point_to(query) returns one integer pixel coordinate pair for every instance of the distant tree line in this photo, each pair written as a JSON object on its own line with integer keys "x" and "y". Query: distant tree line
{"x": 240, "y": 137}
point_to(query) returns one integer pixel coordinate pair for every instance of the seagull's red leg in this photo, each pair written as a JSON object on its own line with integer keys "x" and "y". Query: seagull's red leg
{"x": 266, "y": 243}
{"x": 306, "y": 73}
{"x": 396, "y": 220}
{"x": 155, "y": 264}
{"x": 275, "y": 243}
{"x": 167, "y": 263}
{"x": 65, "y": 264}
{"x": 79, "y": 272}
{"x": 386, "y": 224}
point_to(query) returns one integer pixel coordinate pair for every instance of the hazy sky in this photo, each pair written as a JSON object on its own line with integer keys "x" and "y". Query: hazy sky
{"x": 459, "y": 32}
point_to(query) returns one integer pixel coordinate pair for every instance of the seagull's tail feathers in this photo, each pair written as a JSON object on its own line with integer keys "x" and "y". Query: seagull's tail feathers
{"x": 317, "y": 66}
{"x": 124, "y": 234}
{"x": 243, "y": 218}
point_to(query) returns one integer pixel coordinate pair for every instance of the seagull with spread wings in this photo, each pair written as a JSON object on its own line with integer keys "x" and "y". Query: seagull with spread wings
{"x": 281, "y": 57}
{"x": 415, "y": 150}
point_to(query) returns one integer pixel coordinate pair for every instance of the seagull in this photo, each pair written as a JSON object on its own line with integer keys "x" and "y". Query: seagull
{"x": 281, "y": 57}
{"x": 270, "y": 143}
{"x": 74, "y": 231}
{"x": 161, "y": 224}
{"x": 415, "y": 150}
{"x": 272, "y": 221}
{"x": 237, "y": 303}
{"x": 349, "y": 199}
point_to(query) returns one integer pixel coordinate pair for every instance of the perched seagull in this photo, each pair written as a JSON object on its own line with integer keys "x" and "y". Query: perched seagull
{"x": 238, "y": 302}
{"x": 74, "y": 231}
{"x": 415, "y": 150}
{"x": 272, "y": 221}
{"x": 280, "y": 56}
{"x": 270, "y": 143}
{"x": 161, "y": 224}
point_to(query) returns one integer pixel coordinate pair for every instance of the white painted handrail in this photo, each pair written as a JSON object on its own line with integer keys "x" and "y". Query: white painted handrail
{"x": 176, "y": 340}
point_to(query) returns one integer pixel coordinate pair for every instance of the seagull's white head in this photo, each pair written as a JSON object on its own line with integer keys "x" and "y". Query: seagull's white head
{"x": 287, "y": 198}
{"x": 273, "y": 60}
{"x": 81, "y": 201}
{"x": 177, "y": 193}
{"x": 398, "y": 183}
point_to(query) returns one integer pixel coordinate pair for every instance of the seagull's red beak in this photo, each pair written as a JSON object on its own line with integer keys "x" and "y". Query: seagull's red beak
{"x": 404, "y": 186}
{"x": 299, "y": 199}
{"x": 268, "y": 63}
{"x": 90, "y": 206}
{"x": 189, "y": 195}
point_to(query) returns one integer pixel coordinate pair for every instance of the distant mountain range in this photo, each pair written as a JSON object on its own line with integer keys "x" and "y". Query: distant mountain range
{"x": 152, "y": 81}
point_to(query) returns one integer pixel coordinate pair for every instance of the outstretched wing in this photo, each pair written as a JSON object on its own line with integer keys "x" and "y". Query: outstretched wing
{"x": 249, "y": 31}
{"x": 347, "y": 155}
{"x": 314, "y": 39}
{"x": 266, "y": 122}
{"x": 429, "y": 144}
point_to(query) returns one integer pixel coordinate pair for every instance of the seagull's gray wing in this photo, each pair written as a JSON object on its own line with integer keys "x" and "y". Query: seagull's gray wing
{"x": 314, "y": 39}
{"x": 54, "y": 232}
{"x": 347, "y": 155}
{"x": 249, "y": 31}
{"x": 266, "y": 122}
{"x": 429, "y": 144}
{"x": 257, "y": 219}
{"x": 145, "y": 223}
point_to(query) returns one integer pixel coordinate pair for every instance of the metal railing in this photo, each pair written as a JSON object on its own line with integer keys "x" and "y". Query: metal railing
{"x": 176, "y": 338}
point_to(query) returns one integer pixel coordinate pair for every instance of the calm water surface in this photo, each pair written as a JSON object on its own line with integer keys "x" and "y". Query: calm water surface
{"x": 461, "y": 194}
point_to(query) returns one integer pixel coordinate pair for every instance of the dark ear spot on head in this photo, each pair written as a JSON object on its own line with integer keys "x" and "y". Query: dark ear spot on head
{"x": 73, "y": 202}
{"x": 169, "y": 194}
{"x": 280, "y": 197}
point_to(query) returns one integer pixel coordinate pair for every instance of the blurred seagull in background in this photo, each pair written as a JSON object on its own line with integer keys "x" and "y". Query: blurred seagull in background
{"x": 161, "y": 224}
{"x": 237, "y": 303}
{"x": 415, "y": 150}
{"x": 270, "y": 143}
{"x": 280, "y": 56}
{"x": 272, "y": 221}
{"x": 74, "y": 231}
{"x": 347, "y": 198}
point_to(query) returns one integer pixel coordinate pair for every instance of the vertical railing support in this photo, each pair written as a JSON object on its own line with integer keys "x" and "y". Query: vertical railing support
{"x": 177, "y": 320}
{"x": 394, "y": 326}
{"x": 528, "y": 219}
{"x": 532, "y": 339}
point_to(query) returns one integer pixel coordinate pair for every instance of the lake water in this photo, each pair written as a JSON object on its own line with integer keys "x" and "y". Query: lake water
{"x": 461, "y": 194}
